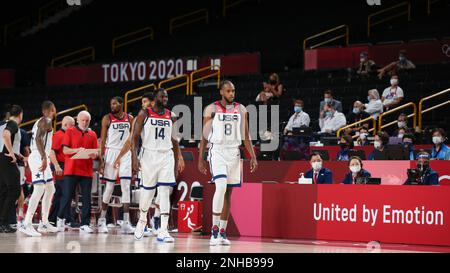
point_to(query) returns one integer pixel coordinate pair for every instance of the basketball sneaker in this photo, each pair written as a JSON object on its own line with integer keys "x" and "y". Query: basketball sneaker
{"x": 127, "y": 228}
{"x": 223, "y": 238}
{"x": 30, "y": 231}
{"x": 46, "y": 228}
{"x": 215, "y": 240}
{"x": 164, "y": 236}
{"x": 102, "y": 228}
{"x": 86, "y": 229}
{"x": 139, "y": 230}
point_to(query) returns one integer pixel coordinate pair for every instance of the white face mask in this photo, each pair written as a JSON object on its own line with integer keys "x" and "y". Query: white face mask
{"x": 401, "y": 124}
{"x": 377, "y": 144}
{"x": 437, "y": 140}
{"x": 316, "y": 165}
{"x": 400, "y": 135}
{"x": 355, "y": 168}
{"x": 394, "y": 81}
{"x": 363, "y": 136}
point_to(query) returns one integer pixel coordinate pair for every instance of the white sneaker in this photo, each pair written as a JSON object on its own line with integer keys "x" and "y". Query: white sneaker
{"x": 46, "y": 228}
{"x": 147, "y": 232}
{"x": 20, "y": 225}
{"x": 215, "y": 239}
{"x": 86, "y": 229}
{"x": 102, "y": 228}
{"x": 164, "y": 236}
{"x": 223, "y": 238}
{"x": 139, "y": 230}
{"x": 127, "y": 228}
{"x": 61, "y": 224}
{"x": 30, "y": 231}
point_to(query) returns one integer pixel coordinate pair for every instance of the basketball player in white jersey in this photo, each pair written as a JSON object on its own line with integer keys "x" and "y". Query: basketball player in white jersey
{"x": 116, "y": 128}
{"x": 159, "y": 158}
{"x": 146, "y": 102}
{"x": 225, "y": 126}
{"x": 41, "y": 174}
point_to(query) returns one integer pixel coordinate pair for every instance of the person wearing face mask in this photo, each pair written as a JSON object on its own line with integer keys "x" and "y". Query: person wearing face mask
{"x": 408, "y": 145}
{"x": 399, "y": 66}
{"x": 328, "y": 99}
{"x": 366, "y": 66}
{"x": 379, "y": 144}
{"x": 331, "y": 120}
{"x": 356, "y": 170}
{"x": 318, "y": 173}
{"x": 362, "y": 137}
{"x": 424, "y": 174}
{"x": 440, "y": 151}
{"x": 393, "y": 95}
{"x": 298, "y": 119}
{"x": 374, "y": 107}
{"x": 356, "y": 115}
{"x": 346, "y": 144}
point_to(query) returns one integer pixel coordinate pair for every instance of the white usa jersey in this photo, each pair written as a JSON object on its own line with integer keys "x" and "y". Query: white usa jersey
{"x": 118, "y": 131}
{"x": 226, "y": 125}
{"x": 47, "y": 139}
{"x": 157, "y": 131}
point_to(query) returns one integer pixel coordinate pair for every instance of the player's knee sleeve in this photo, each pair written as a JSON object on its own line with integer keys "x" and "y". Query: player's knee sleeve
{"x": 108, "y": 192}
{"x": 219, "y": 195}
{"x": 145, "y": 197}
{"x": 125, "y": 185}
{"x": 50, "y": 188}
{"x": 164, "y": 202}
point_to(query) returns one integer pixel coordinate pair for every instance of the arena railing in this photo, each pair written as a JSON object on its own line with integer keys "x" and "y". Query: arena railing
{"x": 395, "y": 110}
{"x": 227, "y": 4}
{"x": 346, "y": 35}
{"x": 132, "y": 91}
{"x": 189, "y": 18}
{"x": 132, "y": 37}
{"x": 163, "y": 83}
{"x": 429, "y": 4}
{"x": 63, "y": 113}
{"x": 78, "y": 55}
{"x": 16, "y": 25}
{"x": 49, "y": 8}
{"x": 55, "y": 122}
{"x": 373, "y": 130}
{"x": 370, "y": 19}
{"x": 422, "y": 111}
{"x": 215, "y": 68}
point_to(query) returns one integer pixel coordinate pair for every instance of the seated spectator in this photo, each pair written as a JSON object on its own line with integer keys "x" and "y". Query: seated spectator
{"x": 426, "y": 176}
{"x": 298, "y": 119}
{"x": 328, "y": 99}
{"x": 331, "y": 120}
{"x": 440, "y": 150}
{"x": 375, "y": 106}
{"x": 402, "y": 65}
{"x": 356, "y": 115}
{"x": 408, "y": 144}
{"x": 393, "y": 95}
{"x": 379, "y": 144}
{"x": 318, "y": 174}
{"x": 362, "y": 137}
{"x": 272, "y": 90}
{"x": 356, "y": 170}
{"x": 346, "y": 144}
{"x": 402, "y": 123}
{"x": 366, "y": 66}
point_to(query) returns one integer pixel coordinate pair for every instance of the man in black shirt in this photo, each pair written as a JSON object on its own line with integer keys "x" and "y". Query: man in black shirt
{"x": 9, "y": 176}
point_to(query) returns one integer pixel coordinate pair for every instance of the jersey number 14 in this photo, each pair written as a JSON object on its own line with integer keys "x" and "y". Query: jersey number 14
{"x": 159, "y": 133}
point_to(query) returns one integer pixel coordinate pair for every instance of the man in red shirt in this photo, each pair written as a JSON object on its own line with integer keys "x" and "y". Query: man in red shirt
{"x": 57, "y": 140}
{"x": 79, "y": 171}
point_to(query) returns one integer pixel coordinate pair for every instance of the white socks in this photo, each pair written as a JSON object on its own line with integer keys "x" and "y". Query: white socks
{"x": 164, "y": 206}
{"x": 38, "y": 191}
{"x": 126, "y": 217}
{"x": 223, "y": 224}
{"x": 218, "y": 199}
{"x": 145, "y": 202}
{"x": 47, "y": 201}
